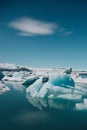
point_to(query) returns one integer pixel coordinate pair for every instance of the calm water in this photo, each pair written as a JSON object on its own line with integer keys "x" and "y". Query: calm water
{"x": 17, "y": 113}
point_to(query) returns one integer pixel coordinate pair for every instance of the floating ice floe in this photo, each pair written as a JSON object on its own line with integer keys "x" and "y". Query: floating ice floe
{"x": 3, "y": 88}
{"x": 15, "y": 86}
{"x": 17, "y": 76}
{"x": 82, "y": 106}
{"x": 27, "y": 82}
{"x": 68, "y": 70}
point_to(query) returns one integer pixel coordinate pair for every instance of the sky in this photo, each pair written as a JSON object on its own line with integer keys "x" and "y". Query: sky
{"x": 44, "y": 33}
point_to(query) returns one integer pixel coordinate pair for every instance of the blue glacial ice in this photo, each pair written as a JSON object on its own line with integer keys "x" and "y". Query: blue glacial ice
{"x": 52, "y": 85}
{"x": 56, "y": 90}
{"x": 61, "y": 80}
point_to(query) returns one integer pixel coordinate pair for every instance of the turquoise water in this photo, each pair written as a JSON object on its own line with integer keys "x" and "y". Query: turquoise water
{"x": 17, "y": 113}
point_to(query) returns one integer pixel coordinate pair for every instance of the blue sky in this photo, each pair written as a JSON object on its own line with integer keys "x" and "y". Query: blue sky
{"x": 44, "y": 33}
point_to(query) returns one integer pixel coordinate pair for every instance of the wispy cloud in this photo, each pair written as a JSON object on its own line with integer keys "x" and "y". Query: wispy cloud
{"x": 31, "y": 27}
{"x": 64, "y": 31}
{"x": 67, "y": 33}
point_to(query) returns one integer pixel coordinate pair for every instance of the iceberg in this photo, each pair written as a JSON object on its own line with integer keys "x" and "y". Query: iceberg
{"x": 3, "y": 88}
{"x": 55, "y": 84}
{"x": 57, "y": 91}
{"x": 16, "y": 76}
{"x": 30, "y": 81}
{"x": 68, "y": 70}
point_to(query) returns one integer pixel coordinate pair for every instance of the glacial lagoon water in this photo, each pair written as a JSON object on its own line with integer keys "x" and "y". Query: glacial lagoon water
{"x": 17, "y": 113}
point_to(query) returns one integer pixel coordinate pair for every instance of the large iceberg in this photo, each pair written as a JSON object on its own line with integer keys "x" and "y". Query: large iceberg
{"x": 52, "y": 85}
{"x": 57, "y": 91}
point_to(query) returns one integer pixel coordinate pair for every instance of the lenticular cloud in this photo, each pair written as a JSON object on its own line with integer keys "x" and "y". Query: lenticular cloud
{"x": 29, "y": 27}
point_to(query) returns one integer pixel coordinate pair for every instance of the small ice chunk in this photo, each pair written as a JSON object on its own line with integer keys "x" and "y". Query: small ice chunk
{"x": 29, "y": 81}
{"x": 3, "y": 88}
{"x": 68, "y": 70}
{"x": 82, "y": 106}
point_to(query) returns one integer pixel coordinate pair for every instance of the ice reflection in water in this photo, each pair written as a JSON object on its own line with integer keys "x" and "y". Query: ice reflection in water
{"x": 41, "y": 103}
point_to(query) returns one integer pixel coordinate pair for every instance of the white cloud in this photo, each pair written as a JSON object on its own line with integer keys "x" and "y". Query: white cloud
{"x": 64, "y": 32}
{"x": 25, "y": 34}
{"x": 30, "y": 27}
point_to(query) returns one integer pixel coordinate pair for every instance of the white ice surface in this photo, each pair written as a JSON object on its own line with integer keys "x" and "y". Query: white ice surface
{"x": 3, "y": 88}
